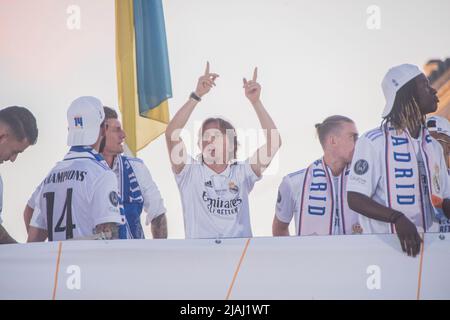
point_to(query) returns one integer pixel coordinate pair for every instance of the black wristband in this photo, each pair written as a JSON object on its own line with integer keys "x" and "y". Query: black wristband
{"x": 195, "y": 97}
{"x": 395, "y": 216}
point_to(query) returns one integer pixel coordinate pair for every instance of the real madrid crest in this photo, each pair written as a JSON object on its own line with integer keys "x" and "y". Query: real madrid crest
{"x": 233, "y": 187}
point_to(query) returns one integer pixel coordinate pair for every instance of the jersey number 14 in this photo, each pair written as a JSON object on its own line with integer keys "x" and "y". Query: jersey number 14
{"x": 67, "y": 212}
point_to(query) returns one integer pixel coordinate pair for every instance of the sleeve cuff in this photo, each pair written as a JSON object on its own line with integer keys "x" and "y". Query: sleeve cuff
{"x": 30, "y": 203}
{"x": 359, "y": 190}
{"x": 37, "y": 225}
{"x": 282, "y": 219}
{"x": 151, "y": 216}
{"x": 254, "y": 176}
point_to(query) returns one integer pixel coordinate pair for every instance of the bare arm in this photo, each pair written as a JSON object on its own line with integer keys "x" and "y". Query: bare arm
{"x": 36, "y": 234}
{"x": 366, "y": 206}
{"x": 27, "y": 215}
{"x": 279, "y": 229}
{"x": 264, "y": 155}
{"x": 406, "y": 230}
{"x": 159, "y": 227}
{"x": 5, "y": 238}
{"x": 175, "y": 145}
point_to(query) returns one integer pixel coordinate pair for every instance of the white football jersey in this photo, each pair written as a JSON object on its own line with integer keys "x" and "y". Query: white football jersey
{"x": 216, "y": 205}
{"x": 371, "y": 181}
{"x": 290, "y": 195}
{"x": 78, "y": 194}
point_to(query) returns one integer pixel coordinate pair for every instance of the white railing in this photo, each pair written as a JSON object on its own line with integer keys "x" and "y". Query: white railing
{"x": 338, "y": 267}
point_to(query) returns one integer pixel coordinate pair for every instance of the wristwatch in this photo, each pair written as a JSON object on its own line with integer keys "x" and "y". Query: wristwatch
{"x": 195, "y": 97}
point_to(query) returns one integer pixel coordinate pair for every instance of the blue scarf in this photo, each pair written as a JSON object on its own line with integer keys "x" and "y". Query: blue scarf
{"x": 132, "y": 201}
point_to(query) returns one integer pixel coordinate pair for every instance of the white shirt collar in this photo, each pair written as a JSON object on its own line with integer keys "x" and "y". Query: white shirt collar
{"x": 211, "y": 172}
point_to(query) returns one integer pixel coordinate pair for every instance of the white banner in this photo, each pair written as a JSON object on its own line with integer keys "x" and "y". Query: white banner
{"x": 337, "y": 267}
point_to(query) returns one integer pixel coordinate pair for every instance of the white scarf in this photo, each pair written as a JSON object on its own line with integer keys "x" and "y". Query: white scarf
{"x": 317, "y": 203}
{"x": 403, "y": 192}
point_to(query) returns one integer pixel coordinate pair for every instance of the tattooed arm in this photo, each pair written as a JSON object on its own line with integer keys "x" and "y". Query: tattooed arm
{"x": 5, "y": 238}
{"x": 159, "y": 227}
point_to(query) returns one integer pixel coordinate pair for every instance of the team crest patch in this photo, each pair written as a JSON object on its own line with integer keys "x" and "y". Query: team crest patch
{"x": 114, "y": 198}
{"x": 361, "y": 167}
{"x": 233, "y": 187}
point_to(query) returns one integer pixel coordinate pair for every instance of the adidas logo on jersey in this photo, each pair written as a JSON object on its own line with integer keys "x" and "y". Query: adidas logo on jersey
{"x": 208, "y": 184}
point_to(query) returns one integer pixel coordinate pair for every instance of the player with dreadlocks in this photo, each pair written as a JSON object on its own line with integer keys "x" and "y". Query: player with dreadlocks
{"x": 398, "y": 180}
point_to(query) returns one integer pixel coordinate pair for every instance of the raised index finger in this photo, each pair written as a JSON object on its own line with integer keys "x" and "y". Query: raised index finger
{"x": 255, "y": 73}
{"x": 207, "y": 68}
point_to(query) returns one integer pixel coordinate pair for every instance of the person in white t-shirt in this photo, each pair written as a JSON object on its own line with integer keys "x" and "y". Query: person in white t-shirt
{"x": 316, "y": 196}
{"x": 79, "y": 198}
{"x": 398, "y": 179}
{"x": 439, "y": 128}
{"x": 18, "y": 130}
{"x": 214, "y": 187}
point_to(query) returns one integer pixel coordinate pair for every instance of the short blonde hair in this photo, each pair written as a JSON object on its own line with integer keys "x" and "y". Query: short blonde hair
{"x": 329, "y": 125}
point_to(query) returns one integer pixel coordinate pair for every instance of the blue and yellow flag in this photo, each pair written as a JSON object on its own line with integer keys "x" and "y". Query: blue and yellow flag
{"x": 143, "y": 73}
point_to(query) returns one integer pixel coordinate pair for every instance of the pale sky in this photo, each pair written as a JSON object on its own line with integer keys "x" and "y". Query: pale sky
{"x": 315, "y": 59}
